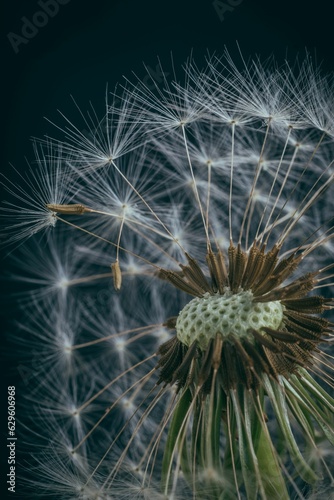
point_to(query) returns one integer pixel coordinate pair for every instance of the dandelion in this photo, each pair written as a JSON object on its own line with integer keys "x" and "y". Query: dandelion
{"x": 46, "y": 181}
{"x": 190, "y": 335}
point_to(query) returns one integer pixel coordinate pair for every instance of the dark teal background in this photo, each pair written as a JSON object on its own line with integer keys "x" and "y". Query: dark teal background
{"x": 90, "y": 43}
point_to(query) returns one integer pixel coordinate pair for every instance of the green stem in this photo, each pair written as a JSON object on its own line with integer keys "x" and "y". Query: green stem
{"x": 173, "y": 439}
{"x": 273, "y": 483}
{"x": 271, "y": 475}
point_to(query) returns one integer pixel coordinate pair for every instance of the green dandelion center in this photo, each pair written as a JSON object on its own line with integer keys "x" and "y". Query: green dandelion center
{"x": 228, "y": 315}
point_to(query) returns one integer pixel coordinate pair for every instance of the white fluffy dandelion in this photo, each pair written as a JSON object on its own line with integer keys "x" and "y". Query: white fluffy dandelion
{"x": 190, "y": 336}
{"x": 47, "y": 180}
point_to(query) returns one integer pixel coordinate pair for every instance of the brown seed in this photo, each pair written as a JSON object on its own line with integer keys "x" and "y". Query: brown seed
{"x": 72, "y": 209}
{"x": 117, "y": 275}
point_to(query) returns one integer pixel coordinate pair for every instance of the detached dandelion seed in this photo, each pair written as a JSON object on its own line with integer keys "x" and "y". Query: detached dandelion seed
{"x": 47, "y": 182}
{"x": 202, "y": 212}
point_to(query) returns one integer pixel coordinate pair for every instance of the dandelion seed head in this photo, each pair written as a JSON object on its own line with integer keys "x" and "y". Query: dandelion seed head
{"x": 227, "y": 315}
{"x": 128, "y": 405}
{"x": 211, "y": 195}
{"x": 67, "y": 347}
{"x": 63, "y": 282}
{"x": 73, "y": 411}
{"x": 47, "y": 181}
{"x": 162, "y": 334}
{"x": 120, "y": 345}
{"x": 133, "y": 268}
